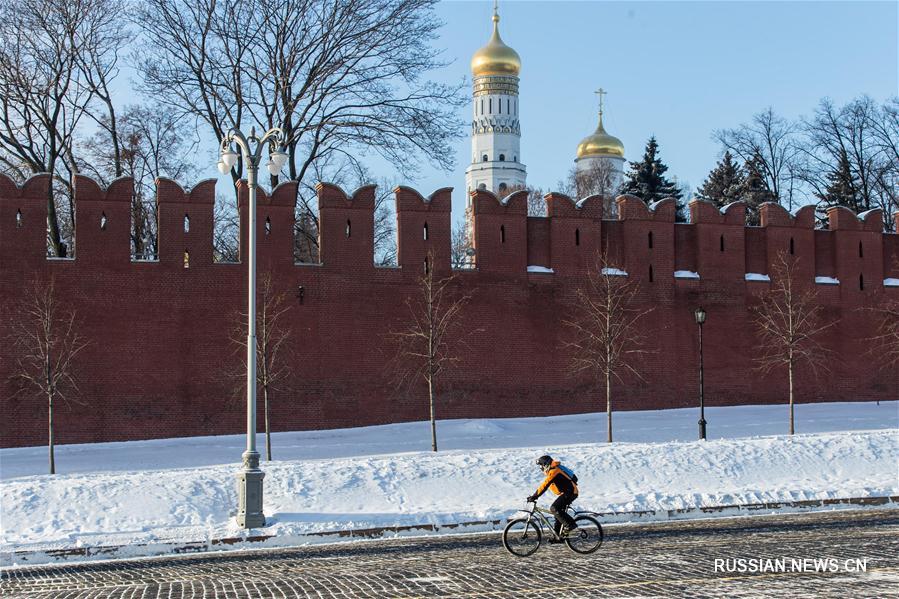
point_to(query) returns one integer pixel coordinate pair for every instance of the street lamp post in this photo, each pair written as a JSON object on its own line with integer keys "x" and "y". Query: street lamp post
{"x": 700, "y": 318}
{"x": 249, "y": 479}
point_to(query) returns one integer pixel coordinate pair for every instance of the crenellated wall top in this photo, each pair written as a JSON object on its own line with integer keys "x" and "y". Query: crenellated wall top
{"x": 34, "y": 187}
{"x": 506, "y": 237}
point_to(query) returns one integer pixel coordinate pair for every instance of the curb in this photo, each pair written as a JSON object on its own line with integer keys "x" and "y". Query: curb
{"x": 45, "y": 556}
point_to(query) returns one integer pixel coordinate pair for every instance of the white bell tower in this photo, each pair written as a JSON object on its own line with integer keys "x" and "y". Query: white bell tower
{"x": 495, "y": 129}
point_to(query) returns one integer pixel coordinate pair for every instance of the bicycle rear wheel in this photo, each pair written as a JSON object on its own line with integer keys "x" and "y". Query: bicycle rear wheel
{"x": 522, "y": 537}
{"x": 587, "y": 537}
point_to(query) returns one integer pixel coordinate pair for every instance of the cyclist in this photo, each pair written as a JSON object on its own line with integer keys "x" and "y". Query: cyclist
{"x": 563, "y": 486}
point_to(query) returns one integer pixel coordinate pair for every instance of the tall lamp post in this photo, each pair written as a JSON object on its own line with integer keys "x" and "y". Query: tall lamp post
{"x": 249, "y": 479}
{"x": 700, "y": 318}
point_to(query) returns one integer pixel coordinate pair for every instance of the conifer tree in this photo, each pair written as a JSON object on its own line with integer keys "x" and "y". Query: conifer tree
{"x": 755, "y": 191}
{"x": 725, "y": 184}
{"x": 842, "y": 188}
{"x": 646, "y": 179}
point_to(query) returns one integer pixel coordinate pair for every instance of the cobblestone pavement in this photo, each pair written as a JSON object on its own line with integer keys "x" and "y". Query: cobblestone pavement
{"x": 668, "y": 559}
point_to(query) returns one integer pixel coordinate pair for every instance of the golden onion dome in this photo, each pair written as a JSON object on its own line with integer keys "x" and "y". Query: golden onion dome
{"x": 600, "y": 144}
{"x": 496, "y": 58}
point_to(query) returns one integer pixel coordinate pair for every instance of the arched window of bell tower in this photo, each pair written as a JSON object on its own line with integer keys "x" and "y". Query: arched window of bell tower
{"x": 502, "y": 157}
{"x": 484, "y": 158}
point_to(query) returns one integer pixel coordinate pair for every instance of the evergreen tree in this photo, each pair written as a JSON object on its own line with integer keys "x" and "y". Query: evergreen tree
{"x": 725, "y": 184}
{"x": 842, "y": 189}
{"x": 646, "y": 179}
{"x": 755, "y": 190}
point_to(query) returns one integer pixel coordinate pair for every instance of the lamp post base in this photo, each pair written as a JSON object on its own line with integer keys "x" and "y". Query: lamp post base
{"x": 249, "y": 492}
{"x": 702, "y": 430}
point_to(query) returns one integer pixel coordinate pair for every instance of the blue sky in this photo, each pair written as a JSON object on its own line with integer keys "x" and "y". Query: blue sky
{"x": 678, "y": 70}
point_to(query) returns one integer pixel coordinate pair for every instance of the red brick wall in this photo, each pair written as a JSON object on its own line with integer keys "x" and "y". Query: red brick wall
{"x": 160, "y": 354}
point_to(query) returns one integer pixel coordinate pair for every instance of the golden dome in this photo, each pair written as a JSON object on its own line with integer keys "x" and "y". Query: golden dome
{"x": 600, "y": 144}
{"x": 496, "y": 58}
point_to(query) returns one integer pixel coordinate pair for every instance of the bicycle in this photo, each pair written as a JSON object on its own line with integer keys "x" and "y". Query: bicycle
{"x": 522, "y": 536}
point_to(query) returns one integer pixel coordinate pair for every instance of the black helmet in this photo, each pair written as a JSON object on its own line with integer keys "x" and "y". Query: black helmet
{"x": 544, "y": 461}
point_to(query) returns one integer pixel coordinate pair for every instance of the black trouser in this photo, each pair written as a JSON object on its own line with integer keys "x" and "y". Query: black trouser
{"x": 558, "y": 510}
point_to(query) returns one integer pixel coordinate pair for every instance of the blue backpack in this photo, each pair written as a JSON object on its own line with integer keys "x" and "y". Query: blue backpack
{"x": 569, "y": 473}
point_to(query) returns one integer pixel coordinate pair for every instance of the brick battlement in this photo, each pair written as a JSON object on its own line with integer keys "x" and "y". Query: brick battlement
{"x": 160, "y": 352}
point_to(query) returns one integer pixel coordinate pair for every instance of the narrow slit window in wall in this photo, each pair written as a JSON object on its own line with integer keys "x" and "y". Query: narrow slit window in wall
{"x": 861, "y": 253}
{"x": 577, "y": 237}
{"x": 861, "y": 282}
{"x": 502, "y": 233}
{"x": 348, "y": 228}
{"x": 425, "y": 232}
{"x": 482, "y": 106}
{"x": 792, "y": 249}
{"x": 186, "y": 224}
{"x": 186, "y": 259}
{"x": 18, "y": 218}
{"x": 650, "y": 273}
{"x": 103, "y": 221}
{"x": 268, "y": 225}
{"x": 490, "y": 105}
{"x": 722, "y": 243}
{"x": 508, "y": 105}
{"x": 499, "y": 104}
{"x": 650, "y": 240}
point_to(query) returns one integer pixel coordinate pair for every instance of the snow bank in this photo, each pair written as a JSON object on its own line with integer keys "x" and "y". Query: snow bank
{"x": 308, "y": 496}
{"x": 385, "y": 476}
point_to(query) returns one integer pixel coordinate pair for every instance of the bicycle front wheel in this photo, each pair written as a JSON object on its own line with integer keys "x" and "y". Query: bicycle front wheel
{"x": 522, "y": 537}
{"x": 587, "y": 537}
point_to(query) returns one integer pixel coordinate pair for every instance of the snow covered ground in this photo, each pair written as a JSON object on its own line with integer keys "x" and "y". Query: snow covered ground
{"x": 184, "y": 489}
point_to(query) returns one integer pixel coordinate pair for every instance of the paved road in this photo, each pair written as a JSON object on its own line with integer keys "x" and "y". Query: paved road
{"x": 673, "y": 559}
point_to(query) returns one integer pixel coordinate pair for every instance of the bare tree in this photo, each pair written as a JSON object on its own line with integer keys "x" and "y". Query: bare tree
{"x": 885, "y": 344}
{"x": 149, "y": 146}
{"x": 425, "y": 344}
{"x": 789, "y": 322}
{"x": 336, "y": 76}
{"x": 603, "y": 324}
{"x": 461, "y": 249}
{"x": 771, "y": 142}
{"x": 349, "y": 176}
{"x": 48, "y": 342}
{"x": 53, "y": 56}
{"x": 536, "y": 201}
{"x": 598, "y": 179}
{"x": 854, "y": 138}
{"x": 98, "y": 62}
{"x": 225, "y": 230}
{"x": 272, "y": 360}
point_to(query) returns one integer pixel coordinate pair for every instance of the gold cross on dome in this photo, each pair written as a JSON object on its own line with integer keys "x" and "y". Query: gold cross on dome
{"x": 600, "y": 92}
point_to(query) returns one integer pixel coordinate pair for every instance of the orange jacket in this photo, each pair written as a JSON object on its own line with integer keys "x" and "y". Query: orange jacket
{"x": 557, "y": 481}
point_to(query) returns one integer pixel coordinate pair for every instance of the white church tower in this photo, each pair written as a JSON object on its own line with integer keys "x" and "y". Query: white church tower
{"x": 495, "y": 130}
